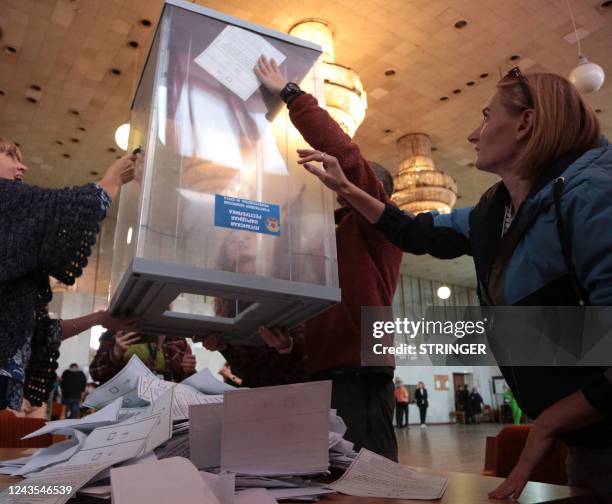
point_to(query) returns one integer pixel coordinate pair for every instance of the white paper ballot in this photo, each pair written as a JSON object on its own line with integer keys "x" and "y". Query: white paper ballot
{"x": 205, "y": 382}
{"x": 371, "y": 475}
{"x": 120, "y": 385}
{"x": 54, "y": 454}
{"x": 289, "y": 493}
{"x": 105, "y": 416}
{"x": 265, "y": 428}
{"x": 116, "y": 443}
{"x": 336, "y": 424}
{"x": 232, "y": 56}
{"x": 254, "y": 496}
{"x": 223, "y": 485}
{"x": 205, "y": 428}
{"x": 182, "y": 401}
{"x": 169, "y": 480}
{"x": 162, "y": 430}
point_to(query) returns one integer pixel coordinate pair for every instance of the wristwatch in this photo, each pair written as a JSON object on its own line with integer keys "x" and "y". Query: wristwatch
{"x": 290, "y": 92}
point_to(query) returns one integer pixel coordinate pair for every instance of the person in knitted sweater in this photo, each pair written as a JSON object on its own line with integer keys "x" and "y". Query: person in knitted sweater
{"x": 43, "y": 232}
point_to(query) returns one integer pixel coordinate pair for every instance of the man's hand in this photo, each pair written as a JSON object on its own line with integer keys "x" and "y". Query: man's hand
{"x": 188, "y": 364}
{"x": 277, "y": 338}
{"x": 269, "y": 75}
{"x": 331, "y": 174}
{"x": 106, "y": 320}
{"x": 122, "y": 341}
{"x": 212, "y": 342}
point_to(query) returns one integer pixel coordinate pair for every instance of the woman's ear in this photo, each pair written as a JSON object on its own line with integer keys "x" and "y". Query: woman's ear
{"x": 524, "y": 126}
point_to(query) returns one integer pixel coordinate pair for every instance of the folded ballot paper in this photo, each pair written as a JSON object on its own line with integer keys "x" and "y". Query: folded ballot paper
{"x": 371, "y": 475}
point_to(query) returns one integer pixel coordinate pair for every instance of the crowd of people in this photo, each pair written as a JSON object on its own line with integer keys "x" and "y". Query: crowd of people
{"x": 537, "y": 134}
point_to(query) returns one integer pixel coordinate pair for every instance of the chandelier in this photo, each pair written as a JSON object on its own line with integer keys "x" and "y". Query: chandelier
{"x": 345, "y": 98}
{"x": 419, "y": 187}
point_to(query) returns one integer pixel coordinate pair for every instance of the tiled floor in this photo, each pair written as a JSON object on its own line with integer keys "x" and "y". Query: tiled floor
{"x": 454, "y": 447}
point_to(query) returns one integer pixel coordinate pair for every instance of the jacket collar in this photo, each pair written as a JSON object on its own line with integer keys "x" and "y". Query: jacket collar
{"x": 494, "y": 252}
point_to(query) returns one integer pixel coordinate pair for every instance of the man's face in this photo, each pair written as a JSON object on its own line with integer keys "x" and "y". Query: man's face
{"x": 11, "y": 167}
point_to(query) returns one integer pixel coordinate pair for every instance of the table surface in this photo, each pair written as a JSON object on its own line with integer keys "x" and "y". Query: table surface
{"x": 463, "y": 488}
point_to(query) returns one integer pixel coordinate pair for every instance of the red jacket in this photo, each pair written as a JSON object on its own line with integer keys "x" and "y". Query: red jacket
{"x": 368, "y": 264}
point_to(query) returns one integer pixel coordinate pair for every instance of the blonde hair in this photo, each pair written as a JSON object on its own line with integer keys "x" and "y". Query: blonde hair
{"x": 563, "y": 121}
{"x": 8, "y": 147}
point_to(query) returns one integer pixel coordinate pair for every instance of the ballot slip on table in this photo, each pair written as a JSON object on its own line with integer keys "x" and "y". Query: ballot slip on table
{"x": 371, "y": 475}
{"x": 282, "y": 430}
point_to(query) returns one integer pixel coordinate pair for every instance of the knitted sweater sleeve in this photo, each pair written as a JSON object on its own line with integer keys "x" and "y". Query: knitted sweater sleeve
{"x": 52, "y": 230}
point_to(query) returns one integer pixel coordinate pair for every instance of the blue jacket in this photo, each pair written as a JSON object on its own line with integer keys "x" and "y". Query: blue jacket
{"x": 527, "y": 267}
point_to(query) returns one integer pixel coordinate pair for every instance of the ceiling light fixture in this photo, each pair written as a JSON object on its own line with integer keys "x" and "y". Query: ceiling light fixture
{"x": 419, "y": 187}
{"x": 345, "y": 98}
{"x": 444, "y": 292}
{"x": 587, "y": 77}
{"x": 122, "y": 136}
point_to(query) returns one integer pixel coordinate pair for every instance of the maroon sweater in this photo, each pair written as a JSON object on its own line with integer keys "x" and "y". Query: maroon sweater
{"x": 368, "y": 264}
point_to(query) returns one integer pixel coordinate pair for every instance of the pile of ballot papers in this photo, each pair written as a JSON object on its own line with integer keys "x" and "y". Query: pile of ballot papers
{"x": 209, "y": 441}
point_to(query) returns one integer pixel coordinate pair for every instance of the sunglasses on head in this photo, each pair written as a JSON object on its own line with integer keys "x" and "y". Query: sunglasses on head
{"x": 515, "y": 74}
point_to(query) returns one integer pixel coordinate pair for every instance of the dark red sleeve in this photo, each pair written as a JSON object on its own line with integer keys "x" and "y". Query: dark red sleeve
{"x": 324, "y": 134}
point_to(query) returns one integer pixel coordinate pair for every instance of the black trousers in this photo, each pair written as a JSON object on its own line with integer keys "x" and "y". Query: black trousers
{"x": 365, "y": 401}
{"x": 401, "y": 414}
{"x": 423, "y": 413}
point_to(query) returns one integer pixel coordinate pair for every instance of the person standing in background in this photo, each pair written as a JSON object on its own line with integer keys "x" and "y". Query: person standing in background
{"x": 420, "y": 397}
{"x": 402, "y": 398}
{"x": 466, "y": 404}
{"x": 73, "y": 386}
{"x": 476, "y": 404}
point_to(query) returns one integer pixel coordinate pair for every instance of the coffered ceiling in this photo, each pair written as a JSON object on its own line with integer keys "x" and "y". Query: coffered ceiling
{"x": 68, "y": 69}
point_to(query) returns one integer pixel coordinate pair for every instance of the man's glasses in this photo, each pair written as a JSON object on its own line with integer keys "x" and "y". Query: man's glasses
{"x": 516, "y": 74}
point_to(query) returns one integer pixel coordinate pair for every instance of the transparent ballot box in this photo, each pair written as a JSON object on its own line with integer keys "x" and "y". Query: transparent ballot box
{"x": 221, "y": 230}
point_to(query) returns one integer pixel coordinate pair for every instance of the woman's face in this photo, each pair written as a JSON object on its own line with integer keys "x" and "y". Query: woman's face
{"x": 240, "y": 247}
{"x": 498, "y": 139}
{"x": 11, "y": 166}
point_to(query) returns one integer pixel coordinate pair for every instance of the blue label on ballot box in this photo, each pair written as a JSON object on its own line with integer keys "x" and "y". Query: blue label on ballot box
{"x": 247, "y": 215}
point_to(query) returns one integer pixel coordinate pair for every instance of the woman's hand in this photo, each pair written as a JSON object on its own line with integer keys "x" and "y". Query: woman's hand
{"x": 188, "y": 364}
{"x": 122, "y": 341}
{"x": 269, "y": 75}
{"x": 568, "y": 414}
{"x": 114, "y": 324}
{"x": 331, "y": 174}
{"x": 539, "y": 442}
{"x": 277, "y": 338}
{"x": 119, "y": 173}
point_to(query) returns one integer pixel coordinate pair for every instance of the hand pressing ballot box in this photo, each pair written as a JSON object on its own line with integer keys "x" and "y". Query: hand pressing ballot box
{"x": 221, "y": 230}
